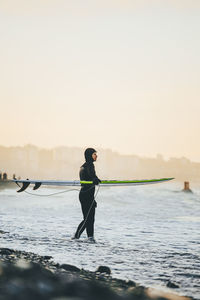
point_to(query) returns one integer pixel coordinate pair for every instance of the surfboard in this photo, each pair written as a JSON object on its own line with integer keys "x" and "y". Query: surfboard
{"x": 38, "y": 183}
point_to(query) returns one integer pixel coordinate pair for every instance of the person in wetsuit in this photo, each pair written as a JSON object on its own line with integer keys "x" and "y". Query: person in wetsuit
{"x": 86, "y": 195}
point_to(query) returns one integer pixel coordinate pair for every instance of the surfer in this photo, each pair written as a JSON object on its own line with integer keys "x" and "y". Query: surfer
{"x": 86, "y": 195}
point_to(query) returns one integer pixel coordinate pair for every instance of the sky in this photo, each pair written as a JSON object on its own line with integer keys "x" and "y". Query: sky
{"x": 117, "y": 74}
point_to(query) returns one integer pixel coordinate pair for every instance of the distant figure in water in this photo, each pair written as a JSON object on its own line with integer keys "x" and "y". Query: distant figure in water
{"x": 86, "y": 195}
{"x": 5, "y": 176}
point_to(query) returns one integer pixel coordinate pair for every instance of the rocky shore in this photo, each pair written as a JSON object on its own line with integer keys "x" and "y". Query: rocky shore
{"x": 7, "y": 184}
{"x": 29, "y": 276}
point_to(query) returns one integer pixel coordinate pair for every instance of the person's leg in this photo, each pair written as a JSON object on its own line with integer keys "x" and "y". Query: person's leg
{"x": 88, "y": 205}
{"x": 80, "y": 229}
{"x": 82, "y": 225}
{"x": 90, "y": 222}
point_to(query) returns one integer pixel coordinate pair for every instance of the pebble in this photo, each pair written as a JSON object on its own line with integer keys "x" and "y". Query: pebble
{"x": 172, "y": 285}
{"x": 70, "y": 268}
{"x": 103, "y": 269}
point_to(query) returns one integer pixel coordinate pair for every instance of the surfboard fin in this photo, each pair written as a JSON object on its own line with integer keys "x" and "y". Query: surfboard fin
{"x": 37, "y": 185}
{"x": 25, "y": 184}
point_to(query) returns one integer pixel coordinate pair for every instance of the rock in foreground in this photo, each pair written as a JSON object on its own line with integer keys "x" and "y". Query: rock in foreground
{"x": 28, "y": 276}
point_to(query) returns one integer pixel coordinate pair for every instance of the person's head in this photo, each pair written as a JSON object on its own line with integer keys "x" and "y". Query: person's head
{"x": 90, "y": 155}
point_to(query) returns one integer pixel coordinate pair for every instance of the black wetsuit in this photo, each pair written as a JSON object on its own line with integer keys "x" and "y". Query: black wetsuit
{"x": 86, "y": 197}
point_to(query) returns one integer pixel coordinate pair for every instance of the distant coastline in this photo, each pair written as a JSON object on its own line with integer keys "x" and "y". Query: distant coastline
{"x": 64, "y": 163}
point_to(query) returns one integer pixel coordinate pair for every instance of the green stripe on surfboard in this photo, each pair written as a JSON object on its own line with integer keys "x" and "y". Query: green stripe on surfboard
{"x": 128, "y": 181}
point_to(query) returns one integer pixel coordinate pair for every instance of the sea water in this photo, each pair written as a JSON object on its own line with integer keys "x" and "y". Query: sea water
{"x": 148, "y": 234}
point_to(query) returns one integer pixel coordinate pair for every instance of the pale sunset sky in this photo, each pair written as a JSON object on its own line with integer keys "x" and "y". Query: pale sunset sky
{"x": 118, "y": 74}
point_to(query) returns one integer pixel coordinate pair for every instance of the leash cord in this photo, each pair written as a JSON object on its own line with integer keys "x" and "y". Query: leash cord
{"x": 53, "y": 194}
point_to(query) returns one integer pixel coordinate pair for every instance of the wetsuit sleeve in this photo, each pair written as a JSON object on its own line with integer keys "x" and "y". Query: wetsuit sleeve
{"x": 92, "y": 174}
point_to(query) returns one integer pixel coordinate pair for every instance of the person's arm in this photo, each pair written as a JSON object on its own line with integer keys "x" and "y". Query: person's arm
{"x": 92, "y": 174}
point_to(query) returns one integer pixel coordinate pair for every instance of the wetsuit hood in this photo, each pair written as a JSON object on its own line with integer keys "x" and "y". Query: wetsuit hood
{"x": 88, "y": 154}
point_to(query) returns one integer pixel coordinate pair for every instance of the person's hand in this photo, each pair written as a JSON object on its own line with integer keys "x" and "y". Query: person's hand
{"x": 96, "y": 181}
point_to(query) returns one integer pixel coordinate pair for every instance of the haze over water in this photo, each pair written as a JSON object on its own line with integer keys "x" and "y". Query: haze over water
{"x": 149, "y": 234}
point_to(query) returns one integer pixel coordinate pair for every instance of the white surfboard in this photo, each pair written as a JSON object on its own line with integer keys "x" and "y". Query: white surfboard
{"x": 37, "y": 183}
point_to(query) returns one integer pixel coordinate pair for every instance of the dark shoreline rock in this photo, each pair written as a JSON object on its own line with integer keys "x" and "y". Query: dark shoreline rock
{"x": 172, "y": 285}
{"x": 70, "y": 268}
{"x": 104, "y": 270}
{"x": 29, "y": 276}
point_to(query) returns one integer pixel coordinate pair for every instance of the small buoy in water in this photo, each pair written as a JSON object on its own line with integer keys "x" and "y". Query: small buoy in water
{"x": 187, "y": 187}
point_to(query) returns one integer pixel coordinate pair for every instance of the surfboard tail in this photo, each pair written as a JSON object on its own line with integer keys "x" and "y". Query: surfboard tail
{"x": 25, "y": 185}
